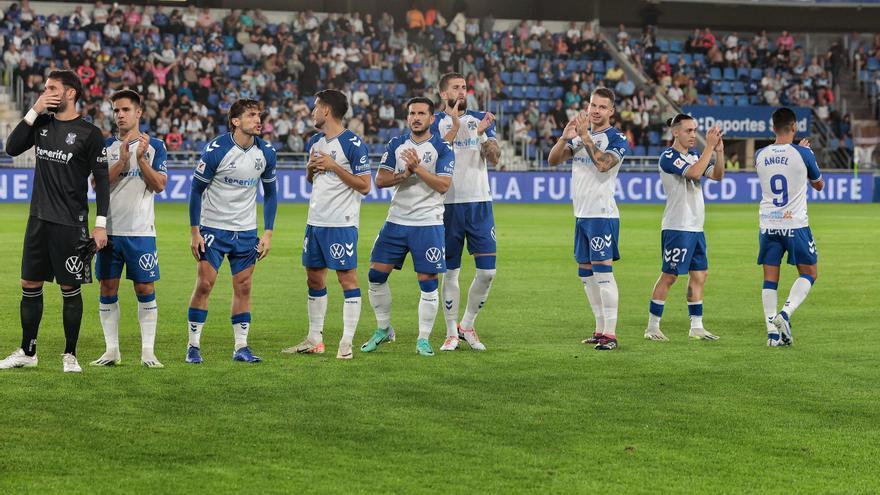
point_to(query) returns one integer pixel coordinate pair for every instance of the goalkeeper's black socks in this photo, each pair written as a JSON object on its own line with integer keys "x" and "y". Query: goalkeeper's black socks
{"x": 31, "y": 314}
{"x": 72, "y": 315}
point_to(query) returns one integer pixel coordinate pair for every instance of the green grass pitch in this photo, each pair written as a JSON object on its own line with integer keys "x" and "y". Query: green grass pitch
{"x": 537, "y": 412}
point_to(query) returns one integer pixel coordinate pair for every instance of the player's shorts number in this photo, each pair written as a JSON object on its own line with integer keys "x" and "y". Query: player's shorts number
{"x": 779, "y": 185}
{"x": 677, "y": 255}
{"x": 209, "y": 239}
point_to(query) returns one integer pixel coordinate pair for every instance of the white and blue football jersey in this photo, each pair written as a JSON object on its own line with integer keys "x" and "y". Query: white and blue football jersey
{"x": 592, "y": 191}
{"x": 333, "y": 203}
{"x": 783, "y": 170}
{"x": 470, "y": 182}
{"x": 232, "y": 174}
{"x": 131, "y": 203}
{"x": 414, "y": 203}
{"x": 685, "y": 209}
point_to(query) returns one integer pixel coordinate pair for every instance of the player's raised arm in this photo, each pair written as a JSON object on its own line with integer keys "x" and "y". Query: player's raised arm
{"x": 489, "y": 148}
{"x": 562, "y": 150}
{"x": 695, "y": 171}
{"x": 813, "y": 172}
{"x": 454, "y": 112}
{"x": 388, "y": 176}
{"x": 717, "y": 170}
{"x": 441, "y": 179}
{"x": 153, "y": 172}
{"x": 23, "y": 136}
{"x": 603, "y": 160}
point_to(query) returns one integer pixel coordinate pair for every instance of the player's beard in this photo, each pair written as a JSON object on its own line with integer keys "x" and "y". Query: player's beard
{"x": 62, "y": 106}
{"x": 462, "y": 104}
{"x": 419, "y": 134}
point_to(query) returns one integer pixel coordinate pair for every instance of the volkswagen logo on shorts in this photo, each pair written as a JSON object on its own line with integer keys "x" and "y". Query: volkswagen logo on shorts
{"x": 433, "y": 254}
{"x": 597, "y": 243}
{"x": 73, "y": 264}
{"x": 147, "y": 261}
{"x": 336, "y": 250}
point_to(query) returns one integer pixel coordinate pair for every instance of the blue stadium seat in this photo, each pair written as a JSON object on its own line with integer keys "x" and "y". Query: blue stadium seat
{"x": 873, "y": 64}
{"x": 545, "y": 93}
{"x": 742, "y": 101}
{"x": 742, "y": 73}
{"x": 673, "y": 59}
{"x": 702, "y": 99}
{"x": 655, "y": 150}
{"x": 519, "y": 78}
{"x": 739, "y": 88}
{"x": 400, "y": 90}
{"x": 599, "y": 66}
{"x": 532, "y": 64}
{"x": 639, "y": 150}
{"x": 44, "y": 52}
{"x": 125, "y": 38}
{"x": 663, "y": 45}
{"x": 700, "y": 57}
{"x": 222, "y": 129}
{"x": 676, "y": 46}
{"x": 233, "y": 71}
{"x": 516, "y": 92}
{"x": 654, "y": 138}
{"x": 362, "y": 75}
{"x": 729, "y": 74}
{"x": 506, "y": 78}
{"x": 310, "y": 101}
{"x": 715, "y": 74}
{"x": 725, "y": 88}
{"x": 531, "y": 92}
{"x": 372, "y": 89}
{"x": 716, "y": 87}
{"x": 388, "y": 76}
{"x": 235, "y": 57}
{"x": 756, "y": 74}
{"x": 78, "y": 37}
{"x": 532, "y": 79}
{"x": 375, "y": 75}
{"x": 688, "y": 58}
{"x": 728, "y": 101}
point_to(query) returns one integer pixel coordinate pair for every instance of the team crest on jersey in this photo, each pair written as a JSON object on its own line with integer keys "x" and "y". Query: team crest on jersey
{"x": 427, "y": 157}
{"x": 333, "y": 154}
{"x": 258, "y": 163}
{"x": 472, "y": 125}
{"x": 71, "y": 138}
{"x": 44, "y": 132}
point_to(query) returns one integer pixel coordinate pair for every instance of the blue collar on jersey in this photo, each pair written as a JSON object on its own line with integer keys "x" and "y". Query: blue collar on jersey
{"x": 234, "y": 143}
{"x": 410, "y": 137}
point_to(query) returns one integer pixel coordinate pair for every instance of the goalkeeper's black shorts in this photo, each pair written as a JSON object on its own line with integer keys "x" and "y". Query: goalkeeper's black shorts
{"x": 56, "y": 252}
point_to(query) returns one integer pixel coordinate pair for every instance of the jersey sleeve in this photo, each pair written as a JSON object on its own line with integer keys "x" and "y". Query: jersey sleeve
{"x": 96, "y": 156}
{"x": 357, "y": 156}
{"x": 207, "y": 166}
{"x": 435, "y": 127}
{"x": 268, "y": 174}
{"x": 672, "y": 163}
{"x": 389, "y": 158}
{"x": 311, "y": 142}
{"x": 490, "y": 131}
{"x": 813, "y": 172}
{"x": 618, "y": 145}
{"x": 445, "y": 159}
{"x": 160, "y": 158}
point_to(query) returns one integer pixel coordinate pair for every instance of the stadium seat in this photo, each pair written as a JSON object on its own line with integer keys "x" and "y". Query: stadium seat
{"x": 728, "y": 101}
{"x": 663, "y": 45}
{"x": 654, "y": 137}
{"x": 507, "y": 78}
{"x": 519, "y": 78}
{"x": 235, "y": 57}
{"x": 532, "y": 79}
{"x": 655, "y": 150}
{"x": 715, "y": 74}
{"x": 375, "y": 75}
{"x": 729, "y": 74}
{"x": 742, "y": 101}
{"x": 676, "y": 46}
{"x": 531, "y": 92}
{"x": 742, "y": 73}
{"x": 388, "y": 76}
{"x": 738, "y": 88}
{"x": 873, "y": 64}
{"x": 234, "y": 71}
{"x": 640, "y": 150}
{"x": 599, "y": 66}
{"x": 756, "y": 74}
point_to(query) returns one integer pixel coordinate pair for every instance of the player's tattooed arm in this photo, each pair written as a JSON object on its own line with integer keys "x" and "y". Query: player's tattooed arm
{"x": 560, "y": 152}
{"x": 491, "y": 151}
{"x": 455, "y": 113}
{"x": 604, "y": 160}
{"x": 387, "y": 178}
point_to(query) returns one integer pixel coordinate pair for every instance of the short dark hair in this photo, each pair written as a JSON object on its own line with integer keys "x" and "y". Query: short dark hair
{"x": 678, "y": 119}
{"x": 445, "y": 78}
{"x": 239, "y": 107}
{"x": 782, "y": 118}
{"x": 604, "y": 93}
{"x": 69, "y": 79}
{"x": 421, "y": 99}
{"x": 132, "y": 95}
{"x": 334, "y": 99}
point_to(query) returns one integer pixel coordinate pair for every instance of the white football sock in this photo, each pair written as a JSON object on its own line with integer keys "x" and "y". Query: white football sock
{"x": 477, "y": 295}
{"x": 351, "y": 314}
{"x": 240, "y": 332}
{"x": 799, "y": 290}
{"x": 769, "y": 298}
{"x": 608, "y": 291}
{"x": 380, "y": 300}
{"x": 591, "y": 288}
{"x": 148, "y": 316}
{"x": 428, "y": 305}
{"x": 451, "y": 294}
{"x": 654, "y": 320}
{"x": 109, "y": 315}
{"x": 317, "y": 306}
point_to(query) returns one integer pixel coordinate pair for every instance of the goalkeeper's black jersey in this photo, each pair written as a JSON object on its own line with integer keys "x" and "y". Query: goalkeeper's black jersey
{"x": 67, "y": 152}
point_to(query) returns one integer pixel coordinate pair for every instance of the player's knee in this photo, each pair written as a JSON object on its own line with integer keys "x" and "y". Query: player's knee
{"x": 242, "y": 288}
{"x": 377, "y": 277}
{"x": 204, "y": 287}
{"x": 31, "y": 284}
{"x": 139, "y": 289}
{"x": 485, "y": 276}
